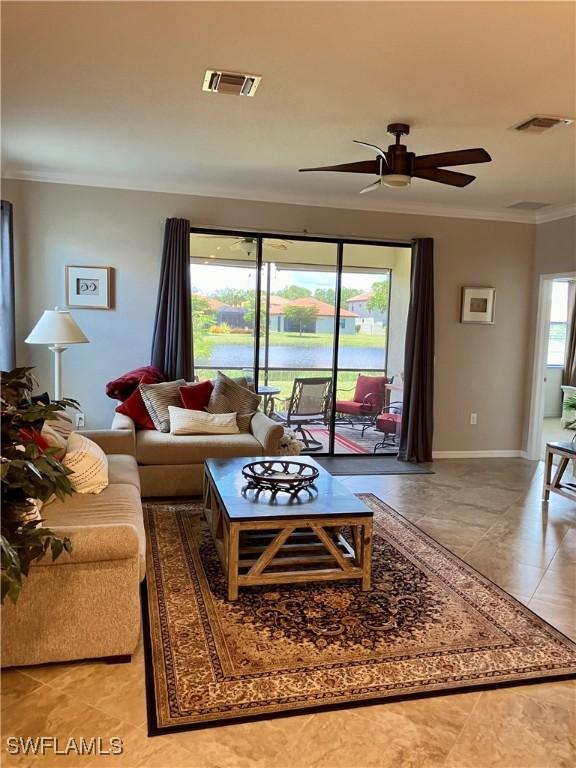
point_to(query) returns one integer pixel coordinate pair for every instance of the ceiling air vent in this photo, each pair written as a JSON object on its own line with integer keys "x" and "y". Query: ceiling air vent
{"x": 232, "y": 83}
{"x": 528, "y": 205}
{"x": 541, "y": 123}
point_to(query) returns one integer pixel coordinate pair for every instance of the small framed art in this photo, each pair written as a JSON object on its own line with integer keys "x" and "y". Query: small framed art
{"x": 477, "y": 305}
{"x": 88, "y": 287}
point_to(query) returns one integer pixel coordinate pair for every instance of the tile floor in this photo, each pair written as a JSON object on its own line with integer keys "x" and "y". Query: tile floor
{"x": 488, "y": 512}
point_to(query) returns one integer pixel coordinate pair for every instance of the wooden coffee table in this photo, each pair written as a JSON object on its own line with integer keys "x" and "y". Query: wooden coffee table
{"x": 327, "y": 538}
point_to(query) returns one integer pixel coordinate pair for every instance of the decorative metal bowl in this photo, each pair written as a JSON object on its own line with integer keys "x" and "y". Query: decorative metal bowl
{"x": 280, "y": 475}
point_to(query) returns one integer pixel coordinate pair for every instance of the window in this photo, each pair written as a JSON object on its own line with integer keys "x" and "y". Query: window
{"x": 558, "y": 323}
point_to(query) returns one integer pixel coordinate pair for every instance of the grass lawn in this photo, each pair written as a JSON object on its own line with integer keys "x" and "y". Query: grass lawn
{"x": 306, "y": 340}
{"x": 284, "y": 379}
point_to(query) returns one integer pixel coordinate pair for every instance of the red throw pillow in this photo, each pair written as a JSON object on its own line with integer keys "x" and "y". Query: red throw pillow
{"x": 196, "y": 396}
{"x": 134, "y": 406}
{"x": 123, "y": 387}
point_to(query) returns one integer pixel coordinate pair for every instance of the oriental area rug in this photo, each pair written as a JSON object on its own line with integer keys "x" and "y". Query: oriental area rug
{"x": 429, "y": 625}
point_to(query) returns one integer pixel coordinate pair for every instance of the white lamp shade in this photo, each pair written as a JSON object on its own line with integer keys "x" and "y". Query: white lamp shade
{"x": 56, "y": 326}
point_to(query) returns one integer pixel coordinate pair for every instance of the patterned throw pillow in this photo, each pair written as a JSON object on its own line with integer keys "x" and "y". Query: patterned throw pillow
{"x": 186, "y": 421}
{"x": 55, "y": 440}
{"x": 61, "y": 423}
{"x": 229, "y": 397}
{"x": 88, "y": 464}
{"x": 157, "y": 398}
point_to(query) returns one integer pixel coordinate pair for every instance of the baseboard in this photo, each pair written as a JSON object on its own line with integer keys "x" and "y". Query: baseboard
{"x": 477, "y": 454}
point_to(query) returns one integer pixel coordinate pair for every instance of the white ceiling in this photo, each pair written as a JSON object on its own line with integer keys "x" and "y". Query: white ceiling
{"x": 110, "y": 94}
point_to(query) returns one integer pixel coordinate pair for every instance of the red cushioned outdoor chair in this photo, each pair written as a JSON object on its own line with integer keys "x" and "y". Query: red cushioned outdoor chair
{"x": 368, "y": 401}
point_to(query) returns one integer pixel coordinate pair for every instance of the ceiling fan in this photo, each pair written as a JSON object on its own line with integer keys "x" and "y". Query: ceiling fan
{"x": 248, "y": 244}
{"x": 396, "y": 167}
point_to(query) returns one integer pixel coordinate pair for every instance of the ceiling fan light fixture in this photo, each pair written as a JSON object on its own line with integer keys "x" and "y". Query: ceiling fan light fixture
{"x": 396, "y": 180}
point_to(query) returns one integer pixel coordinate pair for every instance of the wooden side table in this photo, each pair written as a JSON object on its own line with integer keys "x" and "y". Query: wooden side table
{"x": 553, "y": 482}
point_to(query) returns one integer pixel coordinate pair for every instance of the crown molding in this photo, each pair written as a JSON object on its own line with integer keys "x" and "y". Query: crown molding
{"x": 555, "y": 213}
{"x": 412, "y": 209}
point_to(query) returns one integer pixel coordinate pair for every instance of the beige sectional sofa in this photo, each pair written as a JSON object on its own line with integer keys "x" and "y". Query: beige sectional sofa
{"x": 173, "y": 465}
{"x": 85, "y": 605}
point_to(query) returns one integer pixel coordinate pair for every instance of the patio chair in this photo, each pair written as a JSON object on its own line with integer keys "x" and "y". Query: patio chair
{"x": 388, "y": 422}
{"x": 308, "y": 404}
{"x": 368, "y": 401}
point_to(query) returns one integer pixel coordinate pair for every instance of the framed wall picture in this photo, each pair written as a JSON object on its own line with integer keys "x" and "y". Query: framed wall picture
{"x": 477, "y": 305}
{"x": 88, "y": 287}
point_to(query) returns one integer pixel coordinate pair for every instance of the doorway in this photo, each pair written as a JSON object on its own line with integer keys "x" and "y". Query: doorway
{"x": 549, "y": 420}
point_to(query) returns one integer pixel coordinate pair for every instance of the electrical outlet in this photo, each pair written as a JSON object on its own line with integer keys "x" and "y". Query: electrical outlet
{"x": 474, "y": 418}
{"x": 80, "y": 421}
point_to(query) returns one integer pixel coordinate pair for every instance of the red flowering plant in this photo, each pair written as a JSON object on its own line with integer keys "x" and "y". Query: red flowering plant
{"x": 30, "y": 473}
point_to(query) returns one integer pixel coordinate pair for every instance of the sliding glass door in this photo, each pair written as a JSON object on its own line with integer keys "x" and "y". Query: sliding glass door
{"x": 316, "y": 325}
{"x": 296, "y": 346}
{"x": 223, "y": 279}
{"x": 374, "y": 293}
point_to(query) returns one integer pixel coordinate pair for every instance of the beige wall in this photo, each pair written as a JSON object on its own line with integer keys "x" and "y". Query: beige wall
{"x": 478, "y": 368}
{"x": 555, "y": 249}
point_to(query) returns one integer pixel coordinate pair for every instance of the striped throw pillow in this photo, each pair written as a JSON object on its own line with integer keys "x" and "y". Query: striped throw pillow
{"x": 88, "y": 464}
{"x": 186, "y": 421}
{"x": 229, "y": 397}
{"x": 157, "y": 398}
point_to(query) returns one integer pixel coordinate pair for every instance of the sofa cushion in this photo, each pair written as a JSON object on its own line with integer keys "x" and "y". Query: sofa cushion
{"x": 157, "y": 398}
{"x": 230, "y": 397}
{"x": 123, "y": 470}
{"x": 196, "y": 396}
{"x": 162, "y": 448}
{"x": 122, "y": 387}
{"x": 117, "y": 504}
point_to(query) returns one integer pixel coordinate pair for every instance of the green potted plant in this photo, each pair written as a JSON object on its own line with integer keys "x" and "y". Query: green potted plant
{"x": 31, "y": 473}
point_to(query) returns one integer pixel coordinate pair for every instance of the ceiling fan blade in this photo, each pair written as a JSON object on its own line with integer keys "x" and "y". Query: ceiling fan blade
{"x": 444, "y": 177}
{"x": 371, "y": 187}
{"x": 378, "y": 150}
{"x": 459, "y": 157}
{"x": 365, "y": 166}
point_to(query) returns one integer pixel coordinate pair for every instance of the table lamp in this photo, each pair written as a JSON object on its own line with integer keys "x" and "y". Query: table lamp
{"x": 57, "y": 328}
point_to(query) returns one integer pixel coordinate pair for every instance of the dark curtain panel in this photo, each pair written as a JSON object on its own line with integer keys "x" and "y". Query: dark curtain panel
{"x": 172, "y": 339}
{"x": 569, "y": 374}
{"x": 7, "y": 319}
{"x": 417, "y": 413}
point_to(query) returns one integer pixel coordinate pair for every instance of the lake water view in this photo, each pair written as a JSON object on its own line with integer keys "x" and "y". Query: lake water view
{"x": 303, "y": 358}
